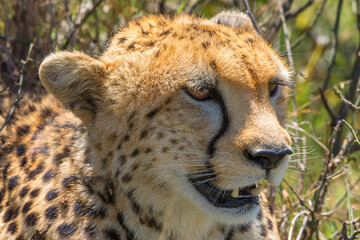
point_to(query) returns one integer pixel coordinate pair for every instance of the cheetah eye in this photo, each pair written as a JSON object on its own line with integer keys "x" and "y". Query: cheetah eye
{"x": 273, "y": 88}
{"x": 200, "y": 94}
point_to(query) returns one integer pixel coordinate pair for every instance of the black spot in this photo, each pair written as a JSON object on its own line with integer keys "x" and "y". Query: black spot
{"x": 12, "y": 227}
{"x": 165, "y": 33}
{"x": 66, "y": 229}
{"x": 122, "y": 40}
{"x": 152, "y": 223}
{"x": 205, "y": 44}
{"x": 32, "y": 108}
{"x": 150, "y": 44}
{"x": 26, "y": 207}
{"x": 31, "y": 219}
{"x": 129, "y": 233}
{"x": 51, "y": 213}
{"x": 23, "y": 161}
{"x": 135, "y": 152}
{"x": 39, "y": 235}
{"x": 34, "y": 193}
{"x": 108, "y": 196}
{"x": 131, "y": 46}
{"x": 213, "y": 65}
{"x": 48, "y": 175}
{"x": 69, "y": 181}
{"x": 126, "y": 178}
{"x": 243, "y": 227}
{"x": 122, "y": 159}
{"x": 263, "y": 231}
{"x": 8, "y": 215}
{"x": 229, "y": 235}
{"x": 22, "y": 130}
{"x": 134, "y": 205}
{"x": 46, "y": 112}
{"x": 20, "y": 150}
{"x": 32, "y": 174}
{"x": 13, "y": 182}
{"x": 24, "y": 191}
{"x": 159, "y": 135}
{"x": 88, "y": 183}
{"x": 112, "y": 234}
{"x": 249, "y": 40}
{"x": 270, "y": 224}
{"x": 60, "y": 156}
{"x": 21, "y": 238}
{"x": 90, "y": 230}
{"x": 80, "y": 209}
{"x": 147, "y": 150}
{"x": 152, "y": 113}
{"x": 5, "y": 169}
{"x": 97, "y": 212}
{"x": 126, "y": 138}
{"x": 2, "y": 194}
{"x": 51, "y": 195}
{"x": 143, "y": 134}
{"x": 271, "y": 209}
{"x": 259, "y": 215}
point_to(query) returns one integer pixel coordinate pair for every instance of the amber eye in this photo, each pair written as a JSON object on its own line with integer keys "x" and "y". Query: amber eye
{"x": 273, "y": 87}
{"x": 200, "y": 94}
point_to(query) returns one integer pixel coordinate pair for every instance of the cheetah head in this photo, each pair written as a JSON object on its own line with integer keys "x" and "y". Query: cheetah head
{"x": 185, "y": 113}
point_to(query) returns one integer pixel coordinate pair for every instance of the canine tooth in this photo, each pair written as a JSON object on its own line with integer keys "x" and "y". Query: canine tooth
{"x": 256, "y": 191}
{"x": 263, "y": 182}
{"x": 235, "y": 193}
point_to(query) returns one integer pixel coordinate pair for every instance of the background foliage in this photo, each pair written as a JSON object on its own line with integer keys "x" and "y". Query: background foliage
{"x": 320, "y": 198}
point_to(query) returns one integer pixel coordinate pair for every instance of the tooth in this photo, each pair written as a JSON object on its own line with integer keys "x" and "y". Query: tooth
{"x": 256, "y": 191}
{"x": 235, "y": 193}
{"x": 263, "y": 182}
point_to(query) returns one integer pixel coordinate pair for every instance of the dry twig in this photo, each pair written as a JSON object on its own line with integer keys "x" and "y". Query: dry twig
{"x": 18, "y": 95}
{"x": 77, "y": 26}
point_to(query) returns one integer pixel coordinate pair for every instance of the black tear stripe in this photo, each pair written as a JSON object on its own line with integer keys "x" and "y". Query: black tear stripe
{"x": 225, "y": 123}
{"x": 224, "y": 127}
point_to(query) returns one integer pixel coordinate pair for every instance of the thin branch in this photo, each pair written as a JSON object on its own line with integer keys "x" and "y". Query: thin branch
{"x": 352, "y": 89}
{"x": 328, "y": 108}
{"x": 301, "y": 201}
{"x": 307, "y": 32}
{"x": 343, "y": 99}
{"x": 294, "y": 221}
{"x": 335, "y": 46}
{"x": 352, "y": 131}
{"x": 77, "y": 26}
{"x": 251, "y": 15}
{"x": 18, "y": 94}
{"x": 299, "y": 10}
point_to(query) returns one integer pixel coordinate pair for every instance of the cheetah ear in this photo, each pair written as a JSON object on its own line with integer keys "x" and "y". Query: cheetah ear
{"x": 234, "y": 19}
{"x": 76, "y": 79}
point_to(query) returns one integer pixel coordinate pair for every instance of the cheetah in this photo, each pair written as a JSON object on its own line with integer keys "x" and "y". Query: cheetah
{"x": 167, "y": 135}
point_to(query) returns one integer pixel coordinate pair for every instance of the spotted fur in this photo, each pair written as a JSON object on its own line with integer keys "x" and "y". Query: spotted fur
{"x": 114, "y": 163}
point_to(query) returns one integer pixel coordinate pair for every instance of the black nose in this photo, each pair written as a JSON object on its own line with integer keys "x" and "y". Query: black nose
{"x": 266, "y": 158}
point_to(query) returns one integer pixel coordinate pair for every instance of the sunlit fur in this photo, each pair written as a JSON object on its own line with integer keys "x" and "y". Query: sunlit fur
{"x": 145, "y": 134}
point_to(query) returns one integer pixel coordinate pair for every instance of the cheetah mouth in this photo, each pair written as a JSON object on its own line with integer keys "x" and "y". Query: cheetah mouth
{"x": 229, "y": 198}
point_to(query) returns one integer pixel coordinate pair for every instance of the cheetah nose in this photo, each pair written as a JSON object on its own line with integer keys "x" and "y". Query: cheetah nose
{"x": 267, "y": 158}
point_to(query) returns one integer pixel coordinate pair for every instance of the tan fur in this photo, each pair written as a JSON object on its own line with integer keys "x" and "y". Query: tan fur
{"x": 119, "y": 170}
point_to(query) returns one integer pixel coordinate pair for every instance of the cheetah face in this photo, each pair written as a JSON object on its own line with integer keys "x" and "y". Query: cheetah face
{"x": 244, "y": 143}
{"x": 197, "y": 109}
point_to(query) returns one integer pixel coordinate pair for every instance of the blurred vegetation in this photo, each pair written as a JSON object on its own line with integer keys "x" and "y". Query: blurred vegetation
{"x": 320, "y": 198}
